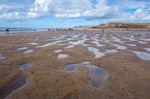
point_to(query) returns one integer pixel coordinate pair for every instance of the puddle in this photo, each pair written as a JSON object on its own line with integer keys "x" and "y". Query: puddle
{"x": 18, "y": 83}
{"x": 70, "y": 46}
{"x": 61, "y": 56}
{"x": 49, "y": 44}
{"x": 148, "y": 39}
{"x": 116, "y": 39}
{"x": 25, "y": 50}
{"x": 147, "y": 49}
{"x": 33, "y": 43}
{"x": 142, "y": 55}
{"x": 58, "y": 51}
{"x": 71, "y": 68}
{"x": 80, "y": 41}
{"x": 61, "y": 37}
{"x": 24, "y": 66}
{"x": 119, "y": 46}
{"x": 131, "y": 38}
{"x": 74, "y": 36}
{"x": 111, "y": 51}
{"x": 141, "y": 42}
{"x": 98, "y": 76}
{"x": 86, "y": 63}
{"x": 131, "y": 44}
{"x": 2, "y": 57}
{"x": 28, "y": 51}
{"x": 97, "y": 43}
{"x": 96, "y": 52}
{"x": 22, "y": 48}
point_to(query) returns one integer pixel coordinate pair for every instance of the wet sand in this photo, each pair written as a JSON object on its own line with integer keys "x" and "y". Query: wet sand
{"x": 42, "y": 58}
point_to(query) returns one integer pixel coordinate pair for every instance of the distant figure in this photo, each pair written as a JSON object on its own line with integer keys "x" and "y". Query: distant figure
{"x": 7, "y": 30}
{"x": 49, "y": 30}
{"x": 34, "y": 30}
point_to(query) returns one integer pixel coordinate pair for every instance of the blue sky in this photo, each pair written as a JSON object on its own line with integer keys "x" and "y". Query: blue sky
{"x": 70, "y": 13}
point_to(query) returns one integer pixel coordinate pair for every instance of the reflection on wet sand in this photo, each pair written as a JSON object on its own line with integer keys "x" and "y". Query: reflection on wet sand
{"x": 18, "y": 83}
{"x": 98, "y": 76}
{"x": 25, "y": 66}
{"x": 121, "y": 56}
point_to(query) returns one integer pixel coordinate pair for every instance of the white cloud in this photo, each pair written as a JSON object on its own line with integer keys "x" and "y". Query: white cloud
{"x": 61, "y": 8}
{"x": 77, "y": 8}
{"x": 12, "y": 12}
{"x": 8, "y": 16}
{"x": 31, "y": 15}
{"x": 4, "y": 7}
{"x": 40, "y": 6}
{"x": 64, "y": 9}
{"x": 141, "y": 14}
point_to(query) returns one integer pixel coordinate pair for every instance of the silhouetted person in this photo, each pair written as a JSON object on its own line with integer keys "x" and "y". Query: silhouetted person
{"x": 34, "y": 30}
{"x": 7, "y": 30}
{"x": 49, "y": 30}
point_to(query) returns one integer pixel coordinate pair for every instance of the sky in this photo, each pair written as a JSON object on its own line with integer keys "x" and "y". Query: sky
{"x": 71, "y": 13}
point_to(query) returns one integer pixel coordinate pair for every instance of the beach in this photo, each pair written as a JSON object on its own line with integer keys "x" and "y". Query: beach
{"x": 114, "y": 64}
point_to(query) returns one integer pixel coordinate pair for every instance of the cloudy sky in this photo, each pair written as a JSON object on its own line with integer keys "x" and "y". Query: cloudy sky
{"x": 69, "y": 13}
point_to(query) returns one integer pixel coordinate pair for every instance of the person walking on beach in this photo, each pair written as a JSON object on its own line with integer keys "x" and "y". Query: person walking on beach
{"x": 7, "y": 30}
{"x": 34, "y": 30}
{"x": 49, "y": 29}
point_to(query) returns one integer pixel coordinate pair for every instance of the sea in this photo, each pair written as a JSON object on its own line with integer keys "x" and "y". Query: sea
{"x": 19, "y": 30}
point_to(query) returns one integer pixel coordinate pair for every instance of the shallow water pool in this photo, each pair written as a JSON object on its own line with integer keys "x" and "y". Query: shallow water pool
{"x": 98, "y": 76}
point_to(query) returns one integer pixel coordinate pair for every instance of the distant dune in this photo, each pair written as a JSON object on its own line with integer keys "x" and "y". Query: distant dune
{"x": 123, "y": 25}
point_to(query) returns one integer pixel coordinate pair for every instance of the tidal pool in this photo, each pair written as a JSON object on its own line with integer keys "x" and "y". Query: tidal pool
{"x": 70, "y": 46}
{"x": 131, "y": 45}
{"x": 111, "y": 51}
{"x": 96, "y": 42}
{"x": 33, "y": 43}
{"x": 141, "y": 42}
{"x": 49, "y": 44}
{"x": 2, "y": 57}
{"x": 98, "y": 76}
{"x": 96, "y": 52}
{"x": 61, "y": 56}
{"x": 119, "y": 46}
{"x": 24, "y": 66}
{"x": 147, "y": 49}
{"x": 58, "y": 51}
{"x": 28, "y": 51}
{"x": 79, "y": 41}
{"x": 142, "y": 55}
{"x": 22, "y": 48}
{"x": 25, "y": 50}
{"x": 19, "y": 82}
{"x": 71, "y": 68}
